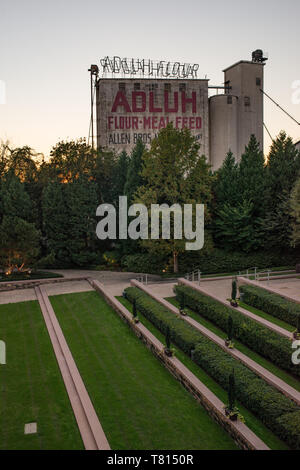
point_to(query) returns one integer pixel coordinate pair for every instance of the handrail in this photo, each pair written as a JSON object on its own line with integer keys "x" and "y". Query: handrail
{"x": 143, "y": 277}
{"x": 196, "y": 273}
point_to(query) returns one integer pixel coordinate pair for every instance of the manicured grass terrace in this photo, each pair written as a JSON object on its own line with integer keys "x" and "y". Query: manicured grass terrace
{"x": 139, "y": 403}
{"x": 31, "y": 386}
{"x": 252, "y": 421}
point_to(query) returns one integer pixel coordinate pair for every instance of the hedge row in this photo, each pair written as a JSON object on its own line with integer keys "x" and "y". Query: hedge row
{"x": 209, "y": 262}
{"x": 277, "y": 411}
{"x": 221, "y": 261}
{"x": 270, "y": 303}
{"x": 261, "y": 339}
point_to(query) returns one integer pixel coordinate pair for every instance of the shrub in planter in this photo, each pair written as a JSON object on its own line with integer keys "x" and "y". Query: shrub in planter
{"x": 231, "y": 392}
{"x": 296, "y": 333}
{"x": 231, "y": 410}
{"x": 233, "y": 294}
{"x": 261, "y": 339}
{"x": 228, "y": 341}
{"x": 134, "y": 312}
{"x": 168, "y": 350}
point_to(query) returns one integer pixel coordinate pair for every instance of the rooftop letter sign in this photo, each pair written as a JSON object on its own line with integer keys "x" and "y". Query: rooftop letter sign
{"x": 148, "y": 68}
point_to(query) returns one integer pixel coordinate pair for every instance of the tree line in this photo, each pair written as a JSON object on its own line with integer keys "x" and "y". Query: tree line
{"x": 48, "y": 206}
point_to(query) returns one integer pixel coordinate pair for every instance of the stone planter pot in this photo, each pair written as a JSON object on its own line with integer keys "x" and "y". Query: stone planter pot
{"x": 232, "y": 415}
{"x": 168, "y": 352}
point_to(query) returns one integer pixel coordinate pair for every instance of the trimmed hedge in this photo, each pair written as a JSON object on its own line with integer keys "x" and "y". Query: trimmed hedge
{"x": 184, "y": 335}
{"x": 209, "y": 262}
{"x": 143, "y": 263}
{"x": 270, "y": 405}
{"x": 261, "y": 339}
{"x": 270, "y": 303}
{"x": 221, "y": 261}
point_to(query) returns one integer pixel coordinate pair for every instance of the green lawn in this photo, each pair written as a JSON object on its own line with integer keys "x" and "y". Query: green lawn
{"x": 288, "y": 378}
{"x": 252, "y": 421}
{"x": 31, "y": 387}
{"x": 139, "y": 403}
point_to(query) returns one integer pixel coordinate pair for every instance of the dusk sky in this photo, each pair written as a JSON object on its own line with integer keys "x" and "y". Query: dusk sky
{"x": 47, "y": 47}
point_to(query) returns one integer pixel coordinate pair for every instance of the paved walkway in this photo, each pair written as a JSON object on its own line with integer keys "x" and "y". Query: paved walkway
{"x": 259, "y": 370}
{"x": 15, "y": 296}
{"x": 89, "y": 425}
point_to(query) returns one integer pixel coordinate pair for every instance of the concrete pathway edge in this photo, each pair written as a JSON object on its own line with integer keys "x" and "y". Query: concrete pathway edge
{"x": 268, "y": 376}
{"x": 89, "y": 425}
{"x": 245, "y": 438}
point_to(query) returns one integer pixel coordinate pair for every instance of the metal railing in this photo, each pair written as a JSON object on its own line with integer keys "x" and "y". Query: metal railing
{"x": 257, "y": 275}
{"x": 143, "y": 278}
{"x": 247, "y": 273}
{"x": 194, "y": 276}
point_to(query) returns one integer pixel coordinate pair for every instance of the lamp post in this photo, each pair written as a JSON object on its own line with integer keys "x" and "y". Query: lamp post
{"x": 94, "y": 71}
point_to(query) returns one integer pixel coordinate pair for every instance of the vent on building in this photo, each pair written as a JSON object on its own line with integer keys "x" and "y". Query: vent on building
{"x": 229, "y": 99}
{"x": 167, "y": 86}
{"x": 258, "y": 81}
{"x": 182, "y": 86}
{"x": 137, "y": 86}
{"x": 247, "y": 100}
{"x": 122, "y": 86}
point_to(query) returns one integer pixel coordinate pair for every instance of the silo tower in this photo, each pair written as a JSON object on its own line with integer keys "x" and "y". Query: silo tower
{"x": 239, "y": 113}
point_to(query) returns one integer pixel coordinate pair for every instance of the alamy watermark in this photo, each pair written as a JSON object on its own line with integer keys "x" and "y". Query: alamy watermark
{"x": 296, "y": 93}
{"x": 296, "y": 354}
{"x": 186, "y": 223}
{"x": 2, "y": 352}
{"x": 2, "y": 92}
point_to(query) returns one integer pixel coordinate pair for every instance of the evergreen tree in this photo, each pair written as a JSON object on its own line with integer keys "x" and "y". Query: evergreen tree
{"x": 226, "y": 187}
{"x": 81, "y": 202}
{"x": 231, "y": 391}
{"x": 134, "y": 177}
{"x": 229, "y": 328}
{"x": 105, "y": 174}
{"x": 251, "y": 176}
{"x": 69, "y": 221}
{"x": 56, "y": 222}
{"x": 121, "y": 174}
{"x": 236, "y": 228}
{"x": 168, "y": 338}
{"x": 276, "y": 226}
{"x": 233, "y": 290}
{"x": 282, "y": 171}
{"x": 19, "y": 246}
{"x": 295, "y": 214}
{"x": 14, "y": 200}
